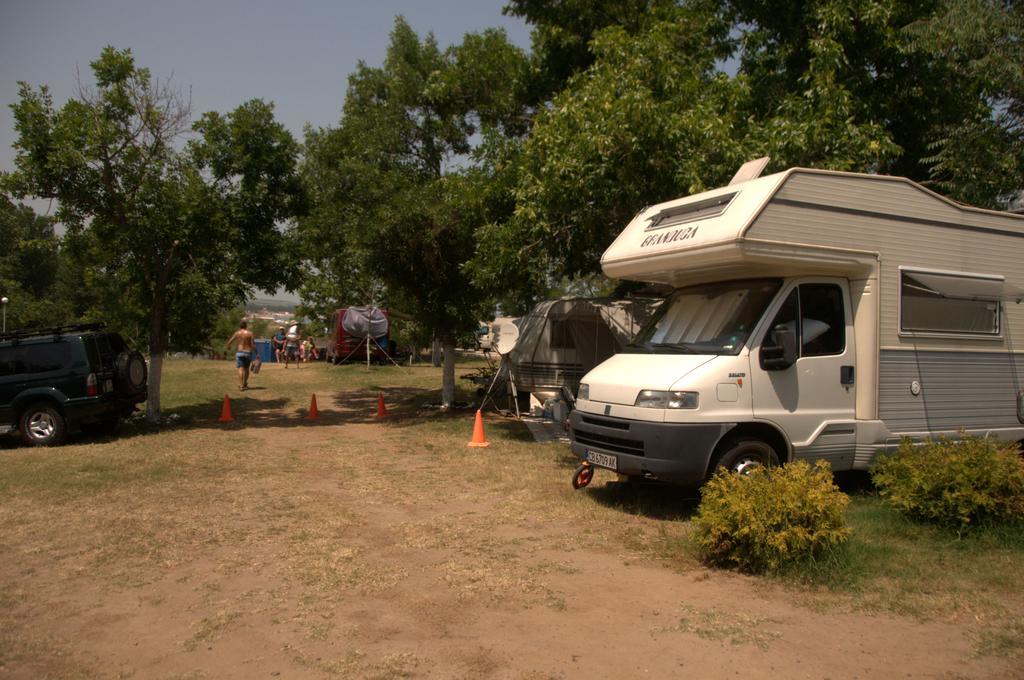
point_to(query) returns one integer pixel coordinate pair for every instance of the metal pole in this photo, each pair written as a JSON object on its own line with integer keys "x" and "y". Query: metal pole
{"x": 3, "y": 303}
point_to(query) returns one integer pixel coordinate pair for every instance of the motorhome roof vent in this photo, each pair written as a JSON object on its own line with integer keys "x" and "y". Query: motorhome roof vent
{"x": 750, "y": 170}
{"x": 691, "y": 212}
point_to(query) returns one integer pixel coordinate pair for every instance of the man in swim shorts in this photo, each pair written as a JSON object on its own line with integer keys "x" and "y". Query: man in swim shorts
{"x": 243, "y": 353}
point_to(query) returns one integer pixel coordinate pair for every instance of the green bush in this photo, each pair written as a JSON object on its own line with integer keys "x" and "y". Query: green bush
{"x": 774, "y": 516}
{"x": 954, "y": 482}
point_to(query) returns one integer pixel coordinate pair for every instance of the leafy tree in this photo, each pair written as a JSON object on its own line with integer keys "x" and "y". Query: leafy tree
{"x": 29, "y": 261}
{"x": 921, "y": 88}
{"x": 943, "y": 79}
{"x": 650, "y": 119}
{"x": 563, "y": 31}
{"x": 398, "y": 198}
{"x": 335, "y": 269}
{"x": 859, "y": 50}
{"x": 978, "y": 158}
{"x": 163, "y": 238}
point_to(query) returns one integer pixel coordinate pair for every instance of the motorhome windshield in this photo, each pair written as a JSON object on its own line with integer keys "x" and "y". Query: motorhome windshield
{"x": 712, "y": 318}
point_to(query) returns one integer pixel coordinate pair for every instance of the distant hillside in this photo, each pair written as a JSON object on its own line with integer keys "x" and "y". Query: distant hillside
{"x": 258, "y": 304}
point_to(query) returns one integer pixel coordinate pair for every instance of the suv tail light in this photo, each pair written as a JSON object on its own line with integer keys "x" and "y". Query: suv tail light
{"x": 91, "y": 388}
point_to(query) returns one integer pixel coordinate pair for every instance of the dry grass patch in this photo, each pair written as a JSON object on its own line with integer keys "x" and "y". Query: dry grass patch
{"x": 722, "y": 626}
{"x": 356, "y": 663}
{"x": 1004, "y": 640}
{"x": 210, "y": 628}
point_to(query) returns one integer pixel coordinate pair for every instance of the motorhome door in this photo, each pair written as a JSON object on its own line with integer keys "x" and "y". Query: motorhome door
{"x": 812, "y": 401}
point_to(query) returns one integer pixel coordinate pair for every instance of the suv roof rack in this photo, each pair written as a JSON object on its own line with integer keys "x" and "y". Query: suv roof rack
{"x": 55, "y": 331}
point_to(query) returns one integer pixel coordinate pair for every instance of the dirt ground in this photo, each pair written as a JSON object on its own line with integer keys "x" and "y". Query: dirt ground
{"x": 353, "y": 556}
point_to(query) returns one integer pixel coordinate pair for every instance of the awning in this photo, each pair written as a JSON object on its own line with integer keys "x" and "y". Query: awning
{"x": 963, "y": 287}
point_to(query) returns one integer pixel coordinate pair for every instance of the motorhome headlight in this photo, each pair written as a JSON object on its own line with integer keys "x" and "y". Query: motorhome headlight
{"x": 663, "y": 399}
{"x": 583, "y": 392}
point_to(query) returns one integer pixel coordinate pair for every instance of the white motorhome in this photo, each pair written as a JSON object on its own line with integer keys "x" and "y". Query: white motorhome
{"x": 817, "y": 315}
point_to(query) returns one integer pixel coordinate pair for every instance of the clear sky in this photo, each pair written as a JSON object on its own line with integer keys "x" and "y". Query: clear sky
{"x": 296, "y": 53}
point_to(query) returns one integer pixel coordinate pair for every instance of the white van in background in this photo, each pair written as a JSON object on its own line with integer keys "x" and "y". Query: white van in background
{"x": 817, "y": 315}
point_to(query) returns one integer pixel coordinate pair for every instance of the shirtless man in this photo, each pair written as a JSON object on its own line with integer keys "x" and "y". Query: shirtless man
{"x": 243, "y": 354}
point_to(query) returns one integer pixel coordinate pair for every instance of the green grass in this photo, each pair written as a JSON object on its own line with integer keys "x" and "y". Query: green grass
{"x": 903, "y": 566}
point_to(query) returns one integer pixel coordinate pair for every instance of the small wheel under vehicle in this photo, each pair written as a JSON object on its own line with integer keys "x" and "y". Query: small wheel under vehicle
{"x": 742, "y": 456}
{"x": 42, "y": 425}
{"x": 583, "y": 475}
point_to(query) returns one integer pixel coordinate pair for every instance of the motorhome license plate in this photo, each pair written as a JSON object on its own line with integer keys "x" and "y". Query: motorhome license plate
{"x": 602, "y": 459}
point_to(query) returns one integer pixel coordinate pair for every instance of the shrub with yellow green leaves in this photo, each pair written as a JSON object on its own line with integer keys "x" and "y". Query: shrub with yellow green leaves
{"x": 773, "y": 516}
{"x": 954, "y": 482}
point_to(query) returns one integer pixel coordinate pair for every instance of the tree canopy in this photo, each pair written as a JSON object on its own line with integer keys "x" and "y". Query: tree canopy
{"x": 29, "y": 267}
{"x": 398, "y": 191}
{"x": 163, "y": 237}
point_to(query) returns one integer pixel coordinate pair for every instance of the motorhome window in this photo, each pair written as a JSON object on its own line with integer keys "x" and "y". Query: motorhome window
{"x": 691, "y": 212}
{"x": 822, "y": 320}
{"x": 822, "y": 328}
{"x": 949, "y": 303}
{"x": 707, "y": 319}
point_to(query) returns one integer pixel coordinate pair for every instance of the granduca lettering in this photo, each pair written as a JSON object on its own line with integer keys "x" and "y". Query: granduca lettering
{"x": 669, "y": 236}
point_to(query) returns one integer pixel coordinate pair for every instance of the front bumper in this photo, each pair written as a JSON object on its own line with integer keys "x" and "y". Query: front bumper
{"x": 678, "y": 453}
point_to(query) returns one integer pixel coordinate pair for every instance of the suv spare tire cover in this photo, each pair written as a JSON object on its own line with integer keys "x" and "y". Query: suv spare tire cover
{"x": 130, "y": 369}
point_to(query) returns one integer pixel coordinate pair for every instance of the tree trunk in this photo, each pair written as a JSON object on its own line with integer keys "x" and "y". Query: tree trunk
{"x": 448, "y": 375}
{"x": 435, "y": 352}
{"x": 156, "y": 366}
{"x": 158, "y": 336}
{"x": 157, "y": 348}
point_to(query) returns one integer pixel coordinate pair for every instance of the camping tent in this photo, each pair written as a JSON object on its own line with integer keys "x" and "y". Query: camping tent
{"x": 357, "y": 327}
{"x": 560, "y": 340}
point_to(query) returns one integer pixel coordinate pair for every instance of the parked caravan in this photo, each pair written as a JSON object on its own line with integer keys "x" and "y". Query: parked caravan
{"x": 560, "y": 340}
{"x": 361, "y": 334}
{"x": 816, "y": 315}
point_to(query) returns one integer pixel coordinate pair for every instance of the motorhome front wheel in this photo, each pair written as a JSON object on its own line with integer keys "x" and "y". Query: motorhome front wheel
{"x": 744, "y": 455}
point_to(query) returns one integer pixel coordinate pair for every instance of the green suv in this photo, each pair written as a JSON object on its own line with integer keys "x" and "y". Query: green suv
{"x": 58, "y": 380}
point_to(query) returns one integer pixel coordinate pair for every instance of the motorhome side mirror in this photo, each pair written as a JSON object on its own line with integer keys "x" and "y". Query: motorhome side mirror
{"x": 779, "y": 349}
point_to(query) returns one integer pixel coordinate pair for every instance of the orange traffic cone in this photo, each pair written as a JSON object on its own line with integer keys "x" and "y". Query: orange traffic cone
{"x": 381, "y": 409}
{"x": 313, "y": 413}
{"x": 478, "y": 432}
{"x": 225, "y": 411}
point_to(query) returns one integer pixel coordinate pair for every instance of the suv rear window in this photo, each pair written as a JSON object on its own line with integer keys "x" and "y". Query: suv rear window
{"x": 42, "y": 358}
{"x": 109, "y": 346}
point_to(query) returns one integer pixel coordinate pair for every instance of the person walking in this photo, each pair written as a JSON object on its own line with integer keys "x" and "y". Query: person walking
{"x": 278, "y": 344}
{"x": 244, "y": 347}
{"x": 291, "y": 346}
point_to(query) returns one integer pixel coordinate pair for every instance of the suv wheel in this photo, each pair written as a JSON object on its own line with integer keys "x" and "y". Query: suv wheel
{"x": 130, "y": 369}
{"x": 42, "y": 425}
